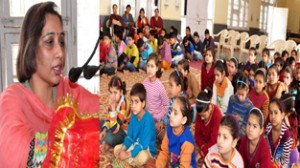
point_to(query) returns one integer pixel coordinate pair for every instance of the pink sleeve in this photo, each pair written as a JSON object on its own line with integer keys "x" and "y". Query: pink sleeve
{"x": 164, "y": 99}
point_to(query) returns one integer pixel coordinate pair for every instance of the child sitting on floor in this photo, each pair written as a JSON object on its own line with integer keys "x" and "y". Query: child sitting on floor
{"x": 207, "y": 71}
{"x": 224, "y": 154}
{"x": 178, "y": 146}
{"x": 207, "y": 123}
{"x": 222, "y": 88}
{"x": 164, "y": 52}
{"x": 139, "y": 145}
{"x": 114, "y": 129}
{"x": 274, "y": 86}
{"x": 145, "y": 50}
{"x": 254, "y": 147}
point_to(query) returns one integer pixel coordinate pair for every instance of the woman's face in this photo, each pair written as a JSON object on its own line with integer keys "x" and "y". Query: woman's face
{"x": 142, "y": 14}
{"x": 50, "y": 52}
{"x": 232, "y": 68}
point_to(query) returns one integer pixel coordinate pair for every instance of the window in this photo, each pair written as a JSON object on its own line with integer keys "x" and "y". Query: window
{"x": 238, "y": 14}
{"x": 264, "y": 11}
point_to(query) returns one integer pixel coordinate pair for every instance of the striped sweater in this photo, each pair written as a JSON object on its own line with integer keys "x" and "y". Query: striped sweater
{"x": 280, "y": 153}
{"x": 111, "y": 57}
{"x": 119, "y": 118}
{"x": 157, "y": 99}
{"x": 214, "y": 159}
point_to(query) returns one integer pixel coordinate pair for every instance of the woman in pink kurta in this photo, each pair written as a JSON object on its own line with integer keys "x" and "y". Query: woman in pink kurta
{"x": 27, "y": 107}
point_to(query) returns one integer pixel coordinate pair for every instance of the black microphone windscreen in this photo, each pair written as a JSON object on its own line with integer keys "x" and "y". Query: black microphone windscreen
{"x": 90, "y": 71}
{"x": 74, "y": 74}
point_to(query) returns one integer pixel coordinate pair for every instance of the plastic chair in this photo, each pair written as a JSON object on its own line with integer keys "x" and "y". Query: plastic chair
{"x": 232, "y": 42}
{"x": 277, "y": 46}
{"x": 263, "y": 40}
{"x": 222, "y": 34}
{"x": 290, "y": 45}
{"x": 254, "y": 40}
{"x": 297, "y": 48}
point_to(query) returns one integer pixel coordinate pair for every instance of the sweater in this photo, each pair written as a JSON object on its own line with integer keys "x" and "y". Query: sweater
{"x": 193, "y": 88}
{"x": 261, "y": 156}
{"x": 132, "y": 52}
{"x": 207, "y": 77}
{"x": 206, "y": 134}
{"x": 280, "y": 153}
{"x": 199, "y": 46}
{"x": 209, "y": 43}
{"x": 165, "y": 52}
{"x": 119, "y": 118}
{"x": 141, "y": 22}
{"x": 154, "y": 45}
{"x": 276, "y": 91}
{"x": 261, "y": 101}
{"x": 121, "y": 47}
{"x": 177, "y": 148}
{"x": 222, "y": 101}
{"x": 156, "y": 23}
{"x": 157, "y": 99}
{"x": 146, "y": 52}
{"x": 111, "y": 57}
{"x": 141, "y": 134}
{"x": 241, "y": 111}
{"x": 215, "y": 160}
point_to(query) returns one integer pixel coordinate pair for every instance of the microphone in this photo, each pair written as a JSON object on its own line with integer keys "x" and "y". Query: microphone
{"x": 88, "y": 71}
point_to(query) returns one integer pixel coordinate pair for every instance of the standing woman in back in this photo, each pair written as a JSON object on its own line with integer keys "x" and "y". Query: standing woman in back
{"x": 27, "y": 107}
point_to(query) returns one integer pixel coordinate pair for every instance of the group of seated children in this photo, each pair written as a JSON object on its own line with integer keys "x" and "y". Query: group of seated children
{"x": 246, "y": 115}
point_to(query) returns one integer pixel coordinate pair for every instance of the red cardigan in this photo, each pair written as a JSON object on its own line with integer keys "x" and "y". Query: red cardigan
{"x": 261, "y": 155}
{"x": 207, "y": 78}
{"x": 206, "y": 134}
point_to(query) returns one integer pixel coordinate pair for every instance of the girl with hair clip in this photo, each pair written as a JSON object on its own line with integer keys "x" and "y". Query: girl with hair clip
{"x": 258, "y": 96}
{"x": 114, "y": 128}
{"x": 207, "y": 123}
{"x": 274, "y": 86}
{"x": 178, "y": 146}
{"x": 232, "y": 67}
{"x": 254, "y": 147}
{"x": 157, "y": 98}
{"x": 291, "y": 121}
{"x": 207, "y": 72}
{"x": 189, "y": 78}
{"x": 176, "y": 89}
{"x": 278, "y": 135}
{"x": 222, "y": 88}
{"x": 223, "y": 153}
{"x": 240, "y": 105}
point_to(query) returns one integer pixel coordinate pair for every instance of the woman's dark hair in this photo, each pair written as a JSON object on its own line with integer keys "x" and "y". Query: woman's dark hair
{"x": 289, "y": 104}
{"x": 185, "y": 65}
{"x": 128, "y": 6}
{"x": 221, "y": 66}
{"x": 242, "y": 82}
{"x": 115, "y": 81}
{"x": 257, "y": 112}
{"x": 160, "y": 40}
{"x": 267, "y": 51}
{"x": 139, "y": 90}
{"x": 275, "y": 68}
{"x": 31, "y": 31}
{"x": 279, "y": 60}
{"x": 253, "y": 67}
{"x": 203, "y": 100}
{"x": 263, "y": 72}
{"x": 262, "y": 64}
{"x": 231, "y": 122}
{"x": 279, "y": 104}
{"x": 206, "y": 31}
{"x": 235, "y": 61}
{"x": 154, "y": 57}
{"x": 178, "y": 78}
{"x": 186, "y": 110}
{"x": 141, "y": 10}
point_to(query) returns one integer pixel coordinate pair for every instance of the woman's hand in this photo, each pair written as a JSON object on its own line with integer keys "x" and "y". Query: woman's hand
{"x": 123, "y": 155}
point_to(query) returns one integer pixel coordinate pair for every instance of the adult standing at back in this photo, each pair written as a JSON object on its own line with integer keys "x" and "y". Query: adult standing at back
{"x": 127, "y": 18}
{"x": 142, "y": 20}
{"x": 156, "y": 21}
{"x": 114, "y": 18}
